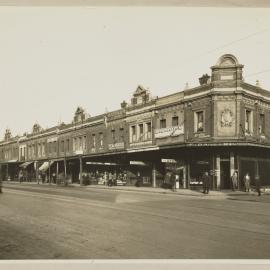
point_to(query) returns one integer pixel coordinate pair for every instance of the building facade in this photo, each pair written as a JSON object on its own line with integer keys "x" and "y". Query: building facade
{"x": 221, "y": 126}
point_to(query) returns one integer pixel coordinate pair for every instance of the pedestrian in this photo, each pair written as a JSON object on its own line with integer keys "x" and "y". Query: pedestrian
{"x": 173, "y": 181}
{"x": 110, "y": 182}
{"x": 247, "y": 182}
{"x": 258, "y": 184}
{"x": 234, "y": 179}
{"x": 1, "y": 184}
{"x": 20, "y": 176}
{"x": 206, "y": 182}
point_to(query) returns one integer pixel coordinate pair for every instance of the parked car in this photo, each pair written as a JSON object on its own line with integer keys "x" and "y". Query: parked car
{"x": 120, "y": 182}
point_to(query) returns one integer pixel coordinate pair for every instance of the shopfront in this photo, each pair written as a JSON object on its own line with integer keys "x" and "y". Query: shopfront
{"x": 174, "y": 171}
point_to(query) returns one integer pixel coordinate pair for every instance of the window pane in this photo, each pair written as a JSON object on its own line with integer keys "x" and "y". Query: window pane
{"x": 200, "y": 121}
{"x": 163, "y": 123}
{"x": 175, "y": 121}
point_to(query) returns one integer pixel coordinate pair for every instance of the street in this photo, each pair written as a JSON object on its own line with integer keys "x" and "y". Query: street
{"x": 50, "y": 222}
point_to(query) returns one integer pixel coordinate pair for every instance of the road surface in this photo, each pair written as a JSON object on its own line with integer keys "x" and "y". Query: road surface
{"x": 49, "y": 222}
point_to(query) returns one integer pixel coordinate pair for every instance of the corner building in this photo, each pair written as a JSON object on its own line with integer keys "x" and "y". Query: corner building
{"x": 221, "y": 126}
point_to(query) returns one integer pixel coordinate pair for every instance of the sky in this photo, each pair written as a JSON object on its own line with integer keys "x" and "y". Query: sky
{"x": 54, "y": 59}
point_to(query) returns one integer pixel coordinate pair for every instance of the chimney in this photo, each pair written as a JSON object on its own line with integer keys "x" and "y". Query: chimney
{"x": 204, "y": 79}
{"x": 258, "y": 83}
{"x": 123, "y": 105}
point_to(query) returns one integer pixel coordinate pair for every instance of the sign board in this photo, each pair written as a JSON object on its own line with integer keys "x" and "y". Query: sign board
{"x": 202, "y": 162}
{"x": 164, "y": 160}
{"x": 78, "y": 152}
{"x": 169, "y": 132}
{"x": 100, "y": 163}
{"x": 113, "y": 146}
{"x": 138, "y": 163}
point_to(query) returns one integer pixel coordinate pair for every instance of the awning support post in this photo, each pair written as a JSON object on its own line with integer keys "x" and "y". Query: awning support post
{"x": 65, "y": 168}
{"x": 36, "y": 168}
{"x": 57, "y": 169}
{"x": 49, "y": 171}
{"x": 80, "y": 176}
{"x": 7, "y": 171}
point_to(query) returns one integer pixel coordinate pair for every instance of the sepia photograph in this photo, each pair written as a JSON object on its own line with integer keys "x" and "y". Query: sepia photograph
{"x": 134, "y": 134}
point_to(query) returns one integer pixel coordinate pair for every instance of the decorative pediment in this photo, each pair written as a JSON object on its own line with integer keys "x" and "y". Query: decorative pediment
{"x": 139, "y": 91}
{"x": 80, "y": 115}
{"x": 227, "y": 60}
{"x": 36, "y": 128}
{"x": 140, "y": 96}
{"x": 7, "y": 134}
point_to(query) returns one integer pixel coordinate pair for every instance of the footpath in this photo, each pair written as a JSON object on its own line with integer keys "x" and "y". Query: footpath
{"x": 198, "y": 193}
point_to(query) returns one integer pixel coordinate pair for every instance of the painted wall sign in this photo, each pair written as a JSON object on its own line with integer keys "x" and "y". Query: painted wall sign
{"x": 169, "y": 132}
{"x": 113, "y": 146}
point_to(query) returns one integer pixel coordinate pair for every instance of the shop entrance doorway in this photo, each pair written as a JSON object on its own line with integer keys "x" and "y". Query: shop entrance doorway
{"x": 225, "y": 179}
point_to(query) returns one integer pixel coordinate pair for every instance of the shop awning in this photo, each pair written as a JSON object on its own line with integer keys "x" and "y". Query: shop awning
{"x": 12, "y": 160}
{"x": 25, "y": 164}
{"x": 45, "y": 166}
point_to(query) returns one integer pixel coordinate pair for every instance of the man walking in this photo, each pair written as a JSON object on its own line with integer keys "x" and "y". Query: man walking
{"x": 234, "y": 181}
{"x": 247, "y": 182}
{"x": 258, "y": 184}
{"x": 173, "y": 182}
{"x": 206, "y": 182}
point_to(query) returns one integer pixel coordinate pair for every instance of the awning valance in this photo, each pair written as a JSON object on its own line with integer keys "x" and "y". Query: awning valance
{"x": 25, "y": 164}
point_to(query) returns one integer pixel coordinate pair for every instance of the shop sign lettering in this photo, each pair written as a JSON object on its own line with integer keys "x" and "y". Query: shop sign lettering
{"x": 164, "y": 160}
{"x": 169, "y": 132}
{"x": 116, "y": 146}
{"x": 141, "y": 143}
{"x": 137, "y": 163}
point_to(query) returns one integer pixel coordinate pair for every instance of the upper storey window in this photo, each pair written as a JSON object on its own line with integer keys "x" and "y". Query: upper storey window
{"x": 262, "y": 124}
{"x": 133, "y": 133}
{"x": 162, "y": 123}
{"x": 199, "y": 121}
{"x": 248, "y": 121}
{"x": 175, "y": 121}
{"x": 149, "y": 130}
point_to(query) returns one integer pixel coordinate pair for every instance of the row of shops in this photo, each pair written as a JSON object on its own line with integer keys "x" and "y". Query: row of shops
{"x": 183, "y": 167}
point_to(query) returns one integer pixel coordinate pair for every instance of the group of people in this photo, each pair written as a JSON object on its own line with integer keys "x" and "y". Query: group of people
{"x": 234, "y": 182}
{"x": 257, "y": 183}
{"x": 246, "y": 182}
